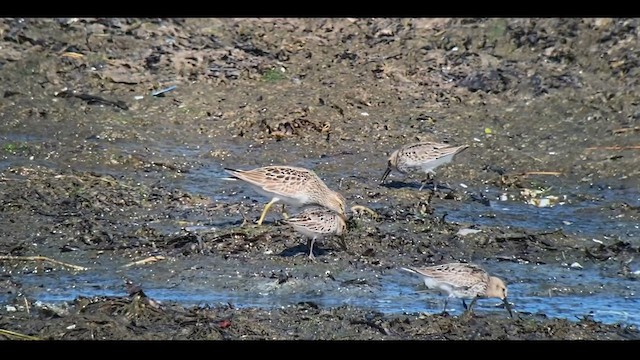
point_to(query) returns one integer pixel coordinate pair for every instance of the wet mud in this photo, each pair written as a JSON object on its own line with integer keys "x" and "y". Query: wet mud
{"x": 105, "y": 124}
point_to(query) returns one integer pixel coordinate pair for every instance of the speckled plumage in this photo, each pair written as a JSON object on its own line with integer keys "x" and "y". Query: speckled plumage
{"x": 462, "y": 281}
{"x": 317, "y": 222}
{"x": 293, "y": 186}
{"x": 421, "y": 157}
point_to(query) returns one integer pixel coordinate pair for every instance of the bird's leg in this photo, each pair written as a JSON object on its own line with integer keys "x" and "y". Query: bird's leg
{"x": 444, "y": 309}
{"x": 464, "y": 304}
{"x": 266, "y": 207}
{"x": 244, "y": 220}
{"x": 472, "y": 303}
{"x": 470, "y": 308}
{"x": 310, "y": 246}
{"x": 423, "y": 183}
{"x": 430, "y": 176}
{"x": 284, "y": 212}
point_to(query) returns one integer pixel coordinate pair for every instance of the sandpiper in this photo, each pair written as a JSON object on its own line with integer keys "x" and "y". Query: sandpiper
{"x": 463, "y": 281}
{"x": 421, "y": 157}
{"x": 317, "y": 222}
{"x": 293, "y": 186}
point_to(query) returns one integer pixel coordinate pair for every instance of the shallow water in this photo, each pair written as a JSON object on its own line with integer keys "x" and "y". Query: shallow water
{"x": 557, "y": 291}
{"x": 582, "y": 218}
{"x": 587, "y": 218}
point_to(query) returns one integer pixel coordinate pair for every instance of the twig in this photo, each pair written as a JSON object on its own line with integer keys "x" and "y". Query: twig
{"x": 623, "y": 130}
{"x": 42, "y": 258}
{"x": 535, "y": 158}
{"x": 18, "y": 335}
{"x": 150, "y": 259}
{"x": 161, "y": 92}
{"x": 73, "y": 55}
{"x": 631, "y": 147}
{"x": 527, "y": 173}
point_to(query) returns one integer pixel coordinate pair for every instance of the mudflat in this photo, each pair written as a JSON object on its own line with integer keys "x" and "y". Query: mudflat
{"x": 112, "y": 132}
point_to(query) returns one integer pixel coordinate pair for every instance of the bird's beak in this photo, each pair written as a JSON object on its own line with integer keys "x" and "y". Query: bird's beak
{"x": 507, "y": 306}
{"x": 386, "y": 173}
{"x": 343, "y": 242}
